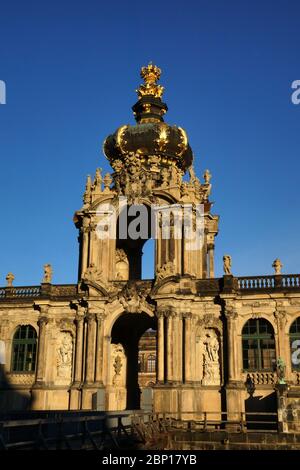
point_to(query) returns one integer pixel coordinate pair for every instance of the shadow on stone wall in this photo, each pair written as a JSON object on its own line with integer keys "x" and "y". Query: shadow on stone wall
{"x": 11, "y": 398}
{"x": 257, "y": 412}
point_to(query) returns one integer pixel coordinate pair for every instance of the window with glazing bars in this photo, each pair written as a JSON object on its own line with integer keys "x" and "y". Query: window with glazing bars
{"x": 258, "y": 345}
{"x": 24, "y": 349}
{"x": 295, "y": 344}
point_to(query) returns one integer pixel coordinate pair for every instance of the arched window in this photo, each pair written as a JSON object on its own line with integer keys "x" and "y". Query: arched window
{"x": 258, "y": 345}
{"x": 295, "y": 344}
{"x": 24, "y": 349}
{"x": 151, "y": 363}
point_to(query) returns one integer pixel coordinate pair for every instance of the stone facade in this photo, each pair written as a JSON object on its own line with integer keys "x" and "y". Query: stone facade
{"x": 88, "y": 334}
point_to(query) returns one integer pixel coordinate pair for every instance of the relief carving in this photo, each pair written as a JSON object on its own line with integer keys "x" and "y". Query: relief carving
{"x": 122, "y": 265}
{"x": 118, "y": 365}
{"x": 64, "y": 356}
{"x": 168, "y": 269}
{"x": 211, "y": 362}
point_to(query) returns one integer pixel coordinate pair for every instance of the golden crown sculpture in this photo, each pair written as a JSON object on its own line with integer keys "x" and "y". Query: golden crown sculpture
{"x": 150, "y": 75}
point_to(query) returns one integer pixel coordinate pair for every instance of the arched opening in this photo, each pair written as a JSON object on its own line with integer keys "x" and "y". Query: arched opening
{"x": 135, "y": 226}
{"x": 24, "y": 349}
{"x": 259, "y": 359}
{"x": 295, "y": 344}
{"x": 147, "y": 358}
{"x": 148, "y": 259}
{"x": 258, "y": 345}
{"x": 127, "y": 331}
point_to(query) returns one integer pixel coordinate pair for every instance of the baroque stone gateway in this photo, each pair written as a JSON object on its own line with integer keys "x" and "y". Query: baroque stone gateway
{"x": 198, "y": 343}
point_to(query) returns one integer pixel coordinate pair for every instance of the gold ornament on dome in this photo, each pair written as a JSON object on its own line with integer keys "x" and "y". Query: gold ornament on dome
{"x": 150, "y": 75}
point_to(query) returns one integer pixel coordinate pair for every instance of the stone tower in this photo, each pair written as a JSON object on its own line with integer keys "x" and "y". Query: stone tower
{"x": 152, "y": 192}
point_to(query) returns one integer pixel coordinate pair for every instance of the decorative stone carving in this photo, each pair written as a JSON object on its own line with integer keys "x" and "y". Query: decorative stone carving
{"x": 64, "y": 356}
{"x": 47, "y": 273}
{"x": 256, "y": 304}
{"x": 211, "y": 321}
{"x": 277, "y": 265}
{"x": 88, "y": 191}
{"x": 207, "y": 176}
{"x": 97, "y": 186}
{"x": 67, "y": 325}
{"x": 107, "y": 182}
{"x": 280, "y": 316}
{"x": 92, "y": 273}
{"x": 280, "y": 366}
{"x": 133, "y": 299}
{"x": 118, "y": 365}
{"x": 122, "y": 265}
{"x": 227, "y": 264}
{"x": 22, "y": 379}
{"x": 211, "y": 363}
{"x": 168, "y": 269}
{"x": 10, "y": 279}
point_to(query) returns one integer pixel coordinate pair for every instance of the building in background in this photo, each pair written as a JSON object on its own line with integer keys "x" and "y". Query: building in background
{"x": 202, "y": 344}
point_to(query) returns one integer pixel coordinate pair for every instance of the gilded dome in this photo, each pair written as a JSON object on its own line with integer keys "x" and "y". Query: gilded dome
{"x": 151, "y": 135}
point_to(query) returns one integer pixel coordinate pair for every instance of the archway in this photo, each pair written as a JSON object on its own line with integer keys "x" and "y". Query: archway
{"x": 127, "y": 331}
{"x": 259, "y": 360}
{"x": 135, "y": 226}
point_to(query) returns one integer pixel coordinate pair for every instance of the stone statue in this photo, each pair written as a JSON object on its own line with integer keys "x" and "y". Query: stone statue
{"x": 47, "y": 274}
{"x": 98, "y": 179}
{"x": 10, "y": 279}
{"x": 64, "y": 356}
{"x": 118, "y": 358}
{"x": 192, "y": 174}
{"x": 281, "y": 370}
{"x": 92, "y": 273}
{"x": 212, "y": 348}
{"x": 277, "y": 265}
{"x": 168, "y": 269}
{"x": 211, "y": 365}
{"x": 88, "y": 189}
{"x": 207, "y": 185}
{"x": 122, "y": 265}
{"x": 227, "y": 264}
{"x": 207, "y": 176}
{"x": 107, "y": 182}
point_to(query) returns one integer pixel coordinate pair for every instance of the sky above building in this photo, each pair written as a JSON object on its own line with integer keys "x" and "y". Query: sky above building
{"x": 71, "y": 70}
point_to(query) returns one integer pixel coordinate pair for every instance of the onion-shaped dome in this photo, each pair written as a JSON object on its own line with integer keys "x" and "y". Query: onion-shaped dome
{"x": 151, "y": 135}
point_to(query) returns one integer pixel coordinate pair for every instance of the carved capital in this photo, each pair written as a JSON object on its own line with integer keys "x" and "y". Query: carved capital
{"x": 187, "y": 315}
{"x": 42, "y": 321}
{"x": 160, "y": 314}
{"x": 280, "y": 316}
{"x": 101, "y": 315}
{"x": 78, "y": 319}
{"x": 42, "y": 308}
{"x": 231, "y": 313}
{"x": 90, "y": 317}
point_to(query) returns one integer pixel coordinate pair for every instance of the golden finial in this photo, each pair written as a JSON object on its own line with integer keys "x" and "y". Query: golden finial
{"x": 150, "y": 75}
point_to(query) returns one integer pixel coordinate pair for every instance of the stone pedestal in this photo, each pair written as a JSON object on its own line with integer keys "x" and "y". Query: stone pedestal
{"x": 281, "y": 391}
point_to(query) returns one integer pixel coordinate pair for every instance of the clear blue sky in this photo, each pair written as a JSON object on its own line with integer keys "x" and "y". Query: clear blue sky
{"x": 71, "y": 68}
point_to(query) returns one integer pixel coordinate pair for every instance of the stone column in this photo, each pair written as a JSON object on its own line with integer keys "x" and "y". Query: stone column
{"x": 169, "y": 352}
{"x": 210, "y": 250}
{"x": 282, "y": 351}
{"x": 99, "y": 349}
{"x": 177, "y": 347}
{"x": 90, "y": 352}
{"x": 79, "y": 347}
{"x": 92, "y": 245}
{"x": 231, "y": 316}
{"x": 85, "y": 245}
{"x": 41, "y": 359}
{"x": 160, "y": 348}
{"x": 235, "y": 387}
{"x": 187, "y": 347}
